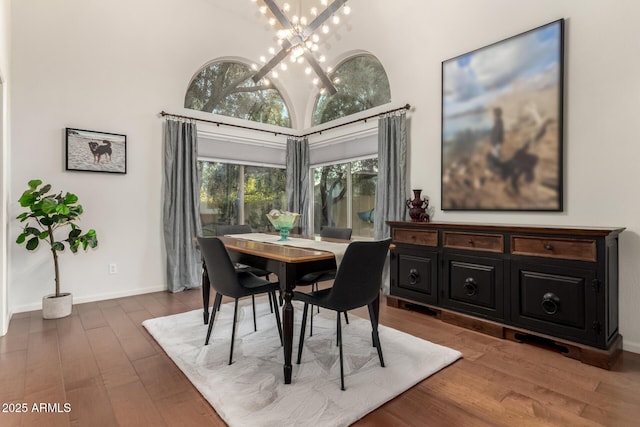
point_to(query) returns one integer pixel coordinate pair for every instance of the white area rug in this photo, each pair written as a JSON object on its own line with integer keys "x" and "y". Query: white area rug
{"x": 251, "y": 391}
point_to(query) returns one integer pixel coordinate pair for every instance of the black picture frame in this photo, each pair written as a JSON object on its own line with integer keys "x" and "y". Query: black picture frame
{"x": 502, "y": 124}
{"x": 94, "y": 151}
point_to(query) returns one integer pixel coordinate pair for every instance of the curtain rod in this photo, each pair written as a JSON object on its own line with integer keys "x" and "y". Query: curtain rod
{"x": 405, "y": 107}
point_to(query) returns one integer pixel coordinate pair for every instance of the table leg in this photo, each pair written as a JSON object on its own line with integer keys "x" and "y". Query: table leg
{"x": 287, "y": 276}
{"x": 206, "y": 289}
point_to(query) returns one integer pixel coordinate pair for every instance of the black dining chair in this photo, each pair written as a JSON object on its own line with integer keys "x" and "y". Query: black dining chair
{"x": 223, "y": 229}
{"x": 357, "y": 283}
{"x": 312, "y": 279}
{"x": 227, "y": 281}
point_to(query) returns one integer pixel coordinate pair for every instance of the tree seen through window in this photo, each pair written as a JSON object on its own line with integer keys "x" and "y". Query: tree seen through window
{"x": 226, "y": 88}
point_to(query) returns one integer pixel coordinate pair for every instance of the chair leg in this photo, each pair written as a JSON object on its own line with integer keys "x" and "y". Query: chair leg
{"x": 376, "y": 337}
{"x": 253, "y": 302}
{"x": 339, "y": 333}
{"x": 302, "y": 328}
{"x": 314, "y": 287}
{"x": 311, "y": 325}
{"x": 277, "y": 313}
{"x": 270, "y": 302}
{"x": 233, "y": 330}
{"x": 214, "y": 309}
{"x": 346, "y": 318}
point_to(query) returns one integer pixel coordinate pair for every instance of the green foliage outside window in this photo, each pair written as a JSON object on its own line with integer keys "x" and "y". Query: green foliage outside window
{"x": 226, "y": 88}
{"x": 361, "y": 83}
{"x": 239, "y": 194}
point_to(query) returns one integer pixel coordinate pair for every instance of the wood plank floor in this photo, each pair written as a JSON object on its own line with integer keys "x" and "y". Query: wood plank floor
{"x": 108, "y": 369}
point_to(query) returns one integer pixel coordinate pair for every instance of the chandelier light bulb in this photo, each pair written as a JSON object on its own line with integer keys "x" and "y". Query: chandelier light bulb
{"x": 263, "y": 9}
{"x": 336, "y": 80}
{"x": 314, "y": 48}
{"x": 274, "y": 74}
{"x": 303, "y": 20}
{"x": 280, "y": 41}
{"x": 329, "y": 69}
{"x": 335, "y": 19}
{"x": 272, "y": 51}
{"x": 295, "y": 19}
{"x": 267, "y": 82}
{"x": 292, "y": 57}
{"x": 315, "y": 81}
{"x": 308, "y": 70}
{"x": 346, "y": 10}
{"x": 314, "y": 11}
{"x": 286, "y": 7}
{"x": 322, "y": 91}
{"x": 322, "y": 58}
{"x": 315, "y": 38}
{"x": 283, "y": 66}
{"x": 300, "y": 59}
{"x": 272, "y": 21}
{"x": 323, "y": 2}
{"x": 263, "y": 59}
{"x": 254, "y": 67}
{"x": 325, "y": 29}
{"x": 308, "y": 44}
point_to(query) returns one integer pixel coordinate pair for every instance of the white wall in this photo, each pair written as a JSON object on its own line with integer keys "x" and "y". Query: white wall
{"x": 112, "y": 66}
{"x": 4, "y": 162}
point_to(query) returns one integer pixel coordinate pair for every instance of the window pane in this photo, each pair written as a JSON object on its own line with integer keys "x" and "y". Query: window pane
{"x": 330, "y": 202}
{"x": 264, "y": 190}
{"x": 361, "y": 83}
{"x": 226, "y": 88}
{"x": 218, "y": 194}
{"x": 229, "y": 192}
{"x": 364, "y": 176}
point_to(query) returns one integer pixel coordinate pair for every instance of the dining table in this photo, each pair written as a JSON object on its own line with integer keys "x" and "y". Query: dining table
{"x": 290, "y": 263}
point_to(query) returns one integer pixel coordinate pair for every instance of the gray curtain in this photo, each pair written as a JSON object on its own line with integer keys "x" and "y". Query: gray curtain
{"x": 298, "y": 180}
{"x": 391, "y": 190}
{"x": 181, "y": 205}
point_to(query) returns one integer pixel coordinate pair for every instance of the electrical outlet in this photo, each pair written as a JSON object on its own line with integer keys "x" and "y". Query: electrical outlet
{"x": 113, "y": 268}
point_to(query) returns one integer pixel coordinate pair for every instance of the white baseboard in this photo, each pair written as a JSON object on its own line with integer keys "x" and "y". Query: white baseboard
{"x": 91, "y": 298}
{"x": 632, "y": 347}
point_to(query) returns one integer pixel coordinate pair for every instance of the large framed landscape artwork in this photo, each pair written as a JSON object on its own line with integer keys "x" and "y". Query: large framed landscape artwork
{"x": 502, "y": 124}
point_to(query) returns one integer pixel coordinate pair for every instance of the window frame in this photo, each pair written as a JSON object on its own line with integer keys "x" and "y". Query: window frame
{"x": 349, "y": 189}
{"x": 241, "y": 187}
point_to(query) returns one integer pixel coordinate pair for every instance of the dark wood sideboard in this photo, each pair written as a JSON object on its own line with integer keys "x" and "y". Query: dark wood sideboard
{"x": 555, "y": 286}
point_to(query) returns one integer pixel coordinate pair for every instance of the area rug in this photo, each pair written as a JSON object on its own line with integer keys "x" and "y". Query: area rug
{"x": 251, "y": 391}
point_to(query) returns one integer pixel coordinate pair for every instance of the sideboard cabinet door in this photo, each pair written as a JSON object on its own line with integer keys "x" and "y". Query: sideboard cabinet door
{"x": 473, "y": 284}
{"x": 556, "y": 299}
{"x": 414, "y": 274}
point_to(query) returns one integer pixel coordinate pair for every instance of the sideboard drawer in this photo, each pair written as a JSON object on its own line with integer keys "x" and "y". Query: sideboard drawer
{"x": 474, "y": 241}
{"x": 576, "y": 249}
{"x": 415, "y": 237}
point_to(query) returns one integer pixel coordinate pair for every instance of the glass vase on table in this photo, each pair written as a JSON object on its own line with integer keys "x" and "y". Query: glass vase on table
{"x": 283, "y": 222}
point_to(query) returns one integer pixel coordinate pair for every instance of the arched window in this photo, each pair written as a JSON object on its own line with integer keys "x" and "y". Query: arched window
{"x": 226, "y": 88}
{"x": 361, "y": 83}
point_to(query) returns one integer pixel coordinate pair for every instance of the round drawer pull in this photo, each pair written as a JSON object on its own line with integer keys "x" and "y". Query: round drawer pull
{"x": 470, "y": 242}
{"x": 470, "y": 287}
{"x": 548, "y": 247}
{"x": 414, "y": 276}
{"x": 550, "y": 303}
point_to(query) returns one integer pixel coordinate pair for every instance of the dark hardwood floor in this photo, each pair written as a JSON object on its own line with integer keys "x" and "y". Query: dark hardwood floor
{"x": 104, "y": 364}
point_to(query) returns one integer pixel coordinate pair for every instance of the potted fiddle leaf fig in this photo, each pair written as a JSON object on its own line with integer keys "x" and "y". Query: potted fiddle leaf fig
{"x": 47, "y": 215}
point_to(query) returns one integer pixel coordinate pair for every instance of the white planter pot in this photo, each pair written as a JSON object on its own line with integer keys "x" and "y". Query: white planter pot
{"x": 56, "y": 307}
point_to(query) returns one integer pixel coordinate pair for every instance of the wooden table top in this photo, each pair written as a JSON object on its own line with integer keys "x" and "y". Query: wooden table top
{"x": 284, "y": 253}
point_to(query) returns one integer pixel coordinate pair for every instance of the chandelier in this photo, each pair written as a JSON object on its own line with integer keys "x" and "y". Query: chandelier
{"x": 298, "y": 37}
